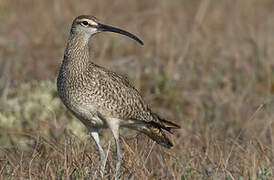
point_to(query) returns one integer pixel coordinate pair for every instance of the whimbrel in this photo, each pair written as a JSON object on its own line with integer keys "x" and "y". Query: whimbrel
{"x": 100, "y": 98}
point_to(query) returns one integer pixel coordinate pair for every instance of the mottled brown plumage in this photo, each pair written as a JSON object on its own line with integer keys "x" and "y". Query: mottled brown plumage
{"x": 99, "y": 97}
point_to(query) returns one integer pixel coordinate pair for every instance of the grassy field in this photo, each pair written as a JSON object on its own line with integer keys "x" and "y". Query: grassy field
{"x": 207, "y": 65}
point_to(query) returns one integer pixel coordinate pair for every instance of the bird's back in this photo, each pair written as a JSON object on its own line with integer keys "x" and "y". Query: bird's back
{"x": 113, "y": 94}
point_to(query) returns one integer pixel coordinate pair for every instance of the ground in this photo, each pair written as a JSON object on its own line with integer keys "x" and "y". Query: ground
{"x": 206, "y": 64}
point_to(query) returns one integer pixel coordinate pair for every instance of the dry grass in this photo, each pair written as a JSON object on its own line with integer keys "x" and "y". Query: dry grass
{"x": 207, "y": 65}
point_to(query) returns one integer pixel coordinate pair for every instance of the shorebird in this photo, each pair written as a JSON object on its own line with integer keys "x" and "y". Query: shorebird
{"x": 100, "y": 98}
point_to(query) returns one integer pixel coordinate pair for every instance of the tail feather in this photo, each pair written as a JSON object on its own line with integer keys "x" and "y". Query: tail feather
{"x": 170, "y": 125}
{"x": 165, "y": 124}
{"x": 155, "y": 132}
{"x": 154, "y": 129}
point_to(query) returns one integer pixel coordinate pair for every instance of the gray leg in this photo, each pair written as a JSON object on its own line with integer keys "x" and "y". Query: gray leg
{"x": 119, "y": 158}
{"x": 114, "y": 124}
{"x": 95, "y": 135}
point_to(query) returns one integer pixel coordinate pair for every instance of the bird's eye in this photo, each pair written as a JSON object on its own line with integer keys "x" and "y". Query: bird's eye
{"x": 84, "y": 23}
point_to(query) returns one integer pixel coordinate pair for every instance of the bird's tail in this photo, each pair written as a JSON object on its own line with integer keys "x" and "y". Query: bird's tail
{"x": 156, "y": 133}
{"x": 165, "y": 124}
{"x": 155, "y": 130}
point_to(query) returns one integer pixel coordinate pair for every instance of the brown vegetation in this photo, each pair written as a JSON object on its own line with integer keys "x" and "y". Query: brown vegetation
{"x": 207, "y": 65}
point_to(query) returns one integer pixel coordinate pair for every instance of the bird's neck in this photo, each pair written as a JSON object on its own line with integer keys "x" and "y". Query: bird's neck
{"x": 77, "y": 57}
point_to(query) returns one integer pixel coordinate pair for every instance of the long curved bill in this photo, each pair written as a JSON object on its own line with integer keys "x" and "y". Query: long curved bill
{"x": 103, "y": 27}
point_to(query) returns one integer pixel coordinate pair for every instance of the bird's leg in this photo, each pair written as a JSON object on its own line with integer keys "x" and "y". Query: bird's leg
{"x": 119, "y": 157}
{"x": 95, "y": 135}
{"x": 114, "y": 126}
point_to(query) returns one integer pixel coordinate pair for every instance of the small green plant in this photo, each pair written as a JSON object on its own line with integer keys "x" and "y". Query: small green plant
{"x": 265, "y": 173}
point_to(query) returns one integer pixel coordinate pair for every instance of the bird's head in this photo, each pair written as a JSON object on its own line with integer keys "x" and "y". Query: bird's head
{"x": 89, "y": 25}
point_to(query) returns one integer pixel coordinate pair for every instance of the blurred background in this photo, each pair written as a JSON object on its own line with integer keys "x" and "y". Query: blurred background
{"x": 206, "y": 64}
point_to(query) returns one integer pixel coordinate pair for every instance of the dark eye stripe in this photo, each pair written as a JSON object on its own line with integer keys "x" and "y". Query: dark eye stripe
{"x": 85, "y": 23}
